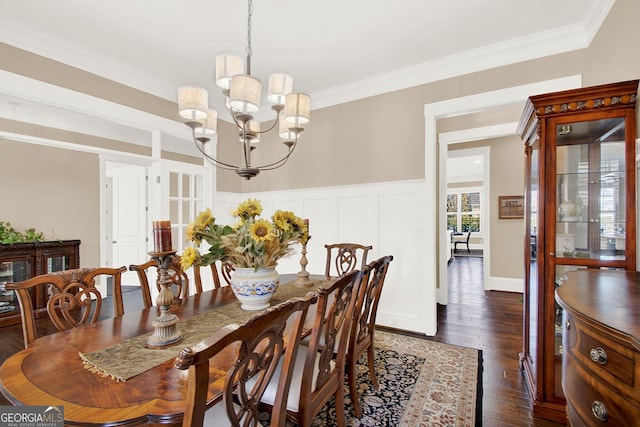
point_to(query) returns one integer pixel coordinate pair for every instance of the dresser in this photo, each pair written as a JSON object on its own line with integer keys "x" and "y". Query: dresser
{"x": 601, "y": 347}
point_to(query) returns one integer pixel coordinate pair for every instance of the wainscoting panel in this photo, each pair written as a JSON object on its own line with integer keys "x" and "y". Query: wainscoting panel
{"x": 358, "y": 221}
{"x": 404, "y": 295}
{"x": 384, "y": 215}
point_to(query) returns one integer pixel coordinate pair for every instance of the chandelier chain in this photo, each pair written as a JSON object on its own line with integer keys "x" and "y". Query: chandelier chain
{"x": 249, "y": 15}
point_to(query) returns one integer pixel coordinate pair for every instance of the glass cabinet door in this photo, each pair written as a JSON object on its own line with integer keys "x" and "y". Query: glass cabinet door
{"x": 532, "y": 289}
{"x": 590, "y": 190}
{"x": 12, "y": 271}
{"x": 57, "y": 263}
{"x": 590, "y": 211}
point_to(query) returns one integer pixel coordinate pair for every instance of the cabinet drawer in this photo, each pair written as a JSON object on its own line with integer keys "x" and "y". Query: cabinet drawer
{"x": 583, "y": 392}
{"x": 604, "y": 357}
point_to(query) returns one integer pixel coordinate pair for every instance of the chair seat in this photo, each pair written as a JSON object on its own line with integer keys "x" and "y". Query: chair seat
{"x": 217, "y": 416}
{"x": 293, "y": 400}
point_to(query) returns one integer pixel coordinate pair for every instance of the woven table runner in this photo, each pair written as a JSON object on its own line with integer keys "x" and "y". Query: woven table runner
{"x": 131, "y": 357}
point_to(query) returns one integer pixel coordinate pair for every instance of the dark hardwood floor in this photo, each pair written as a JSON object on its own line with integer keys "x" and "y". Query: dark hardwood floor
{"x": 490, "y": 321}
{"x": 487, "y": 320}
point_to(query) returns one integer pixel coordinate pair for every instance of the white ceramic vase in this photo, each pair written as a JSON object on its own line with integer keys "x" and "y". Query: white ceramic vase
{"x": 254, "y": 288}
{"x": 570, "y": 210}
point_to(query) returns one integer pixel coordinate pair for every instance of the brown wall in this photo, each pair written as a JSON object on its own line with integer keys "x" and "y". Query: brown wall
{"x": 54, "y": 191}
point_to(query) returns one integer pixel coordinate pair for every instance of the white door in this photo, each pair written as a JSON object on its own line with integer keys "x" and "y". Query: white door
{"x": 186, "y": 191}
{"x": 129, "y": 232}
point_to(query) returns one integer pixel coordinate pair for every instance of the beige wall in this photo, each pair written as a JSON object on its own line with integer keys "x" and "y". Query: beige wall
{"x": 507, "y": 179}
{"x": 55, "y": 191}
{"x": 376, "y": 139}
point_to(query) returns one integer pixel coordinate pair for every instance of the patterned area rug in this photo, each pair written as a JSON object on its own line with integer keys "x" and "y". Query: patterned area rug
{"x": 422, "y": 383}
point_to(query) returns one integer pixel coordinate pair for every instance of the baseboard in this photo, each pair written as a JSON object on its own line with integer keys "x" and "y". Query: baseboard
{"x": 506, "y": 284}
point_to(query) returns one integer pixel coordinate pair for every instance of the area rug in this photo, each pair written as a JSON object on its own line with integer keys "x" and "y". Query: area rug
{"x": 422, "y": 383}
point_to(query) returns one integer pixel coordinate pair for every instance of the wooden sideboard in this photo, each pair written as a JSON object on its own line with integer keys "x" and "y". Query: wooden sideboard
{"x": 22, "y": 261}
{"x": 601, "y": 347}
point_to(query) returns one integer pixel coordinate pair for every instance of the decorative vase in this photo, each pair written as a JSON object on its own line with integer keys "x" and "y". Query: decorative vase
{"x": 570, "y": 210}
{"x": 254, "y": 288}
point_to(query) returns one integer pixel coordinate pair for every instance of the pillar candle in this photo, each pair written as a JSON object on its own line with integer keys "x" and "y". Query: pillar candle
{"x": 162, "y": 236}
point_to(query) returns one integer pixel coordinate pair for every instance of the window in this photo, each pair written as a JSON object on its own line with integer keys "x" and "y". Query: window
{"x": 463, "y": 210}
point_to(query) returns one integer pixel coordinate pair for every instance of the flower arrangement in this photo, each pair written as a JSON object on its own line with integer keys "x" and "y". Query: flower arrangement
{"x": 251, "y": 243}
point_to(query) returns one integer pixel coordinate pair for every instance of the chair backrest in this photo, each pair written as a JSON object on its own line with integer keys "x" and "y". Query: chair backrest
{"x": 258, "y": 346}
{"x": 225, "y": 270}
{"x": 179, "y": 279}
{"x": 367, "y": 305}
{"x": 73, "y": 299}
{"x": 346, "y": 257}
{"x": 324, "y": 368}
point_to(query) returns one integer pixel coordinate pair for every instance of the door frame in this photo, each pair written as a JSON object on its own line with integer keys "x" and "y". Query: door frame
{"x": 106, "y": 247}
{"x": 435, "y": 177}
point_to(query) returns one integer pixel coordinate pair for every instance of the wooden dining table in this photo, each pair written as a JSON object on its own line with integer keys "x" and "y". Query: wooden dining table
{"x": 50, "y": 371}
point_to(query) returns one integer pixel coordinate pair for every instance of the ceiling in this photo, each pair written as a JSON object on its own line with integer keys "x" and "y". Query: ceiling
{"x": 336, "y": 50}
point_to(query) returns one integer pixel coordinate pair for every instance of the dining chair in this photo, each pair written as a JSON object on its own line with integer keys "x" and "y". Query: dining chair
{"x": 179, "y": 281}
{"x": 73, "y": 300}
{"x": 318, "y": 374}
{"x": 345, "y": 257}
{"x": 361, "y": 336}
{"x": 224, "y": 270}
{"x": 459, "y": 239}
{"x": 264, "y": 349}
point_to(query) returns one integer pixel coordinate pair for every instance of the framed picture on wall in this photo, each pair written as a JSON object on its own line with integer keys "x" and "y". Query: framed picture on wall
{"x": 510, "y": 207}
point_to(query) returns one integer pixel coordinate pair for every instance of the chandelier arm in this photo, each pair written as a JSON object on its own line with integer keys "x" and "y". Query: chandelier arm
{"x": 235, "y": 120}
{"x": 218, "y": 163}
{"x": 275, "y": 122}
{"x": 282, "y": 161}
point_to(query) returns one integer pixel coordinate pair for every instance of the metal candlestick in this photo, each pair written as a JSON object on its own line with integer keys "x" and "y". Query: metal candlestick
{"x": 165, "y": 331}
{"x": 303, "y": 280}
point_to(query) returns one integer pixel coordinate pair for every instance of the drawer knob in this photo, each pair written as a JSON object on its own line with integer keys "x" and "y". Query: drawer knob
{"x": 598, "y": 355}
{"x": 599, "y": 411}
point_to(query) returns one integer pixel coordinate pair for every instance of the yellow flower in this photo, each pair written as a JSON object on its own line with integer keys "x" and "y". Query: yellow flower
{"x": 250, "y": 242}
{"x": 247, "y": 209}
{"x": 204, "y": 219}
{"x": 261, "y": 230}
{"x": 190, "y": 256}
{"x": 190, "y": 231}
{"x": 282, "y": 219}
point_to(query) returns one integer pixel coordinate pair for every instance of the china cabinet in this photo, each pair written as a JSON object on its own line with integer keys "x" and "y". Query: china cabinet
{"x": 579, "y": 213}
{"x": 21, "y": 261}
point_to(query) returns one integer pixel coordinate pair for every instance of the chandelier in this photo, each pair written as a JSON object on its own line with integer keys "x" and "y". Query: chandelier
{"x": 243, "y": 92}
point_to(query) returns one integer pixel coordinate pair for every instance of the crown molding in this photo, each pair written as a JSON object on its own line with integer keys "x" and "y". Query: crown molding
{"x": 72, "y": 54}
{"x": 521, "y": 49}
